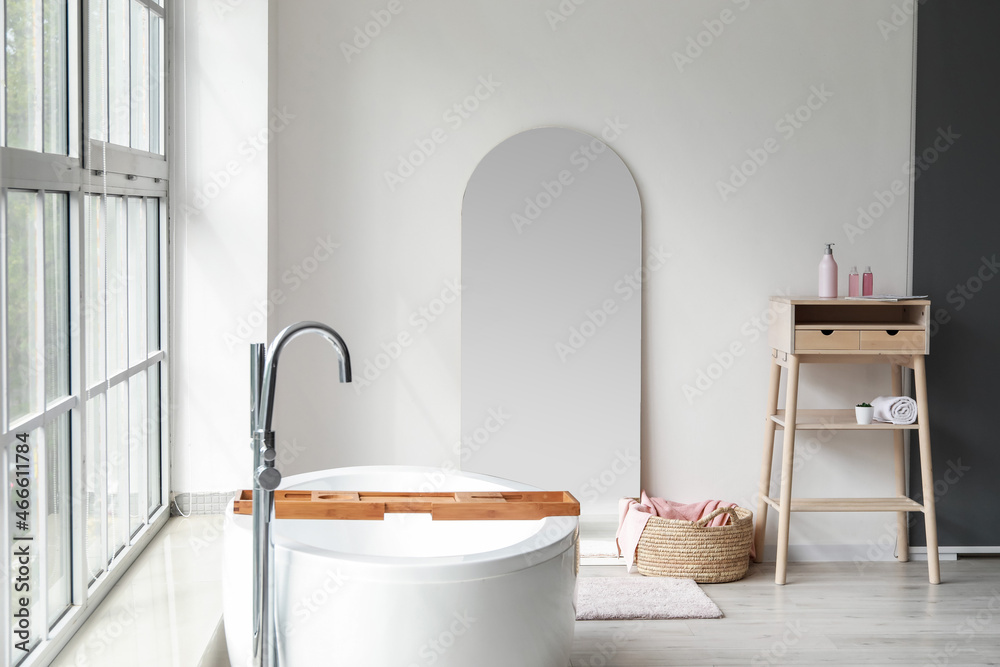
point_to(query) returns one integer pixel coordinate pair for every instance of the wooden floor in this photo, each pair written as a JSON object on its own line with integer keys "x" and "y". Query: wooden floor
{"x": 828, "y": 614}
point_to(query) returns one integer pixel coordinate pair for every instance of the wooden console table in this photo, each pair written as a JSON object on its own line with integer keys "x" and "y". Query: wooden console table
{"x": 814, "y": 330}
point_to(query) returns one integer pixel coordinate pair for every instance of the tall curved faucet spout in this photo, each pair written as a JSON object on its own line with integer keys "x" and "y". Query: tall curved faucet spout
{"x": 266, "y": 480}
{"x": 265, "y": 405}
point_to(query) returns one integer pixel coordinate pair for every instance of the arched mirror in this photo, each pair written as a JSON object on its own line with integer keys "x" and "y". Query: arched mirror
{"x": 551, "y": 311}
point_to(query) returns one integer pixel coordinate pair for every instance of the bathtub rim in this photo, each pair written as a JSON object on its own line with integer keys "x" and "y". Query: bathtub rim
{"x": 554, "y": 536}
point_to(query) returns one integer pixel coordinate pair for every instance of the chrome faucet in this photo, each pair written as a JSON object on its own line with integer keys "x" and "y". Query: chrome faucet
{"x": 263, "y": 375}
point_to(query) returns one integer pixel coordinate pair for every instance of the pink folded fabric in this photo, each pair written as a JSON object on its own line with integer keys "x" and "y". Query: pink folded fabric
{"x": 633, "y": 515}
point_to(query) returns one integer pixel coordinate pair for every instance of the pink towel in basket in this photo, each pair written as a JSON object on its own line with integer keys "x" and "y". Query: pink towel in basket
{"x": 633, "y": 515}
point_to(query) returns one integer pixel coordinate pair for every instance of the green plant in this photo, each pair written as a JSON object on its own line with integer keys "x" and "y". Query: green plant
{"x": 864, "y": 405}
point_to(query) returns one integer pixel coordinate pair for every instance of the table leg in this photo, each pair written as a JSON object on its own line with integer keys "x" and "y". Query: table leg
{"x": 902, "y": 534}
{"x": 760, "y": 528}
{"x": 926, "y": 472}
{"x": 787, "y": 460}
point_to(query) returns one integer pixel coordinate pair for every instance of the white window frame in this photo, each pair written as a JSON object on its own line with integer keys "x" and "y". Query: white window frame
{"x": 91, "y": 168}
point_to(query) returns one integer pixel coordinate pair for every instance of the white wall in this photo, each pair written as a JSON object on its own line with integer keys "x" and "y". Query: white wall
{"x": 219, "y": 243}
{"x": 349, "y": 123}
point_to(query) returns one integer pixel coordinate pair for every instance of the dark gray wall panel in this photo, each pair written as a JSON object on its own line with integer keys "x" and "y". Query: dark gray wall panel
{"x": 955, "y": 252}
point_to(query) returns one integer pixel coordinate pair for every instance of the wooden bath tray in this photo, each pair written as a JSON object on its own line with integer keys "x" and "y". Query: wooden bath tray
{"x": 457, "y": 506}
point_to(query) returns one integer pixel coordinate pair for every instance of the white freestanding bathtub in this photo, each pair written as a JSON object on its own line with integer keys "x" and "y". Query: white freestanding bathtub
{"x": 408, "y": 591}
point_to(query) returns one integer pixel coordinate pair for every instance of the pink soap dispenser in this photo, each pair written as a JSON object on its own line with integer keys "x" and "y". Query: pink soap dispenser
{"x": 828, "y": 274}
{"x": 854, "y": 283}
{"x": 868, "y": 282}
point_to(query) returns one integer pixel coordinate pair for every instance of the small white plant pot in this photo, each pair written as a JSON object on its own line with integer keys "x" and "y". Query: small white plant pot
{"x": 864, "y": 415}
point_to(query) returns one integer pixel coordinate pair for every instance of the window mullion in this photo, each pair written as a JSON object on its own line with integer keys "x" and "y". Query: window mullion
{"x": 104, "y": 446}
{"x": 77, "y": 427}
{"x": 103, "y": 386}
{"x": 41, "y": 419}
{"x": 38, "y": 136}
{"x": 74, "y": 73}
{"x": 37, "y": 365}
{"x": 152, "y": 7}
{"x": 131, "y": 84}
{"x": 164, "y": 344}
{"x": 3, "y": 76}
{"x": 103, "y": 449}
{"x": 3, "y": 308}
{"x": 106, "y": 120}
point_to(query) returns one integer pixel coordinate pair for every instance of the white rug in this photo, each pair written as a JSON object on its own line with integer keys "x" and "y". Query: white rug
{"x": 638, "y": 597}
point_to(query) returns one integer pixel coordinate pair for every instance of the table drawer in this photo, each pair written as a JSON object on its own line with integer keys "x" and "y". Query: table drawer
{"x": 826, "y": 339}
{"x": 891, "y": 339}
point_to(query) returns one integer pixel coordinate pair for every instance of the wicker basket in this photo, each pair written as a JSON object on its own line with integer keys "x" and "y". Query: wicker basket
{"x": 692, "y": 550}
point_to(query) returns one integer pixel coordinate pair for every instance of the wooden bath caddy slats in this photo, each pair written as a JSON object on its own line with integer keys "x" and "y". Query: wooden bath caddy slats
{"x": 452, "y": 506}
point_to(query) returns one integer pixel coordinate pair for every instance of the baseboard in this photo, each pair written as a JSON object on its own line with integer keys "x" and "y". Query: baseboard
{"x": 601, "y": 561}
{"x": 959, "y": 551}
{"x": 852, "y": 553}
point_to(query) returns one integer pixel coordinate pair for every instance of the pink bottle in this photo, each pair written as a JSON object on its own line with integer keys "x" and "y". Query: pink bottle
{"x": 868, "y": 282}
{"x": 828, "y": 274}
{"x": 854, "y": 283}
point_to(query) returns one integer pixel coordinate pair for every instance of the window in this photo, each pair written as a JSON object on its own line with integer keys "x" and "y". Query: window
{"x": 36, "y": 105}
{"x": 82, "y": 286}
{"x": 125, "y": 98}
{"x": 122, "y": 455}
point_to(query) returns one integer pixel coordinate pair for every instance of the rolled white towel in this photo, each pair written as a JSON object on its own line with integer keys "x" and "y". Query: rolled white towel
{"x": 895, "y": 409}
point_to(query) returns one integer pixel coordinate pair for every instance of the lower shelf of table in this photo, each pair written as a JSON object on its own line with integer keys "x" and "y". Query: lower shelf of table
{"x": 900, "y": 504}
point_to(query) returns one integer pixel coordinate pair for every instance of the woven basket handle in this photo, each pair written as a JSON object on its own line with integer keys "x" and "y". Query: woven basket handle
{"x": 704, "y": 521}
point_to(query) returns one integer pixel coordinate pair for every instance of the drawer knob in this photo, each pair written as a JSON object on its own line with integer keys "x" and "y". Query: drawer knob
{"x": 891, "y": 332}
{"x": 826, "y": 332}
